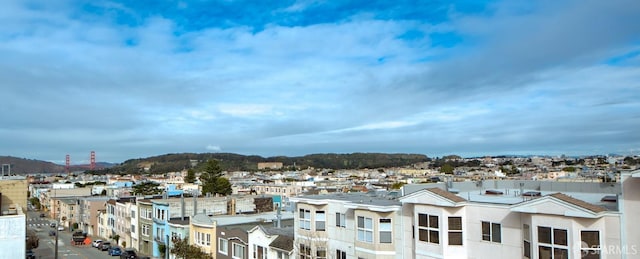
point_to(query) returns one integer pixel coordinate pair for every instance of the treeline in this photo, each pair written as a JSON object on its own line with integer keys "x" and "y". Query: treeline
{"x": 236, "y": 162}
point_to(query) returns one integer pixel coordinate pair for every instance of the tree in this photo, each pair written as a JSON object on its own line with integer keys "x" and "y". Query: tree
{"x": 191, "y": 176}
{"x": 210, "y": 184}
{"x": 447, "y": 169}
{"x": 146, "y": 188}
{"x": 183, "y": 250}
{"x": 35, "y": 202}
{"x": 397, "y": 186}
{"x": 223, "y": 186}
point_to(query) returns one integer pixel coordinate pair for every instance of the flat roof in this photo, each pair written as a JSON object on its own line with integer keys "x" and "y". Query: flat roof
{"x": 356, "y": 198}
{"x": 511, "y": 196}
{"x": 223, "y": 220}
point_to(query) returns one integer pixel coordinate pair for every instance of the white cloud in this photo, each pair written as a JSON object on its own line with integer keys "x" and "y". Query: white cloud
{"x": 213, "y": 148}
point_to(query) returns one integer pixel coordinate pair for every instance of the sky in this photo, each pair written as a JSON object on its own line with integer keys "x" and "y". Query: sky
{"x": 139, "y": 78}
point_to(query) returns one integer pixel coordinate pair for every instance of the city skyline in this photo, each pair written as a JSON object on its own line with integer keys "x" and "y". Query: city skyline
{"x": 130, "y": 80}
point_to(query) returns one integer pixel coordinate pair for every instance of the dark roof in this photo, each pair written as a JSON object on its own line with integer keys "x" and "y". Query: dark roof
{"x": 179, "y": 221}
{"x": 446, "y": 194}
{"x": 579, "y": 203}
{"x": 284, "y": 243}
{"x": 285, "y": 231}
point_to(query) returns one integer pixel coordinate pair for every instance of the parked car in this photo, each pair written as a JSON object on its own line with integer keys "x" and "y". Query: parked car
{"x": 61, "y": 228}
{"x": 52, "y": 225}
{"x": 52, "y": 233}
{"x": 96, "y": 243}
{"x": 128, "y": 253}
{"x": 42, "y": 215}
{"x": 30, "y": 254}
{"x": 114, "y": 251}
{"x": 104, "y": 246}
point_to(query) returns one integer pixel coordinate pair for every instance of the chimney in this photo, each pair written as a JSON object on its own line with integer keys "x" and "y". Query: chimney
{"x": 279, "y": 217}
{"x": 182, "y": 206}
{"x": 195, "y": 204}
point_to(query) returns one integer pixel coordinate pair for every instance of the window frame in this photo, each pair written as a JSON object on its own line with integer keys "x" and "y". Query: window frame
{"x": 590, "y": 252}
{"x": 490, "y": 234}
{"x": 220, "y": 246}
{"x": 341, "y": 220}
{"x": 242, "y": 247}
{"x": 553, "y": 244}
{"x": 322, "y": 222}
{"x": 428, "y": 227}
{"x": 453, "y": 231}
{"x": 364, "y": 233}
{"x": 381, "y": 231}
{"x": 305, "y": 219}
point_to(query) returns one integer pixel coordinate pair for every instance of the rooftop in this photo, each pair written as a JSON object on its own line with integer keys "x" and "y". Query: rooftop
{"x": 355, "y": 198}
{"x": 223, "y": 220}
{"x": 591, "y": 201}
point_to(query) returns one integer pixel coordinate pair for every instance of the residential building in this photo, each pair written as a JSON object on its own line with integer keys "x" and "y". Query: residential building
{"x": 13, "y": 190}
{"x": 348, "y": 225}
{"x": 13, "y": 221}
{"x": 271, "y": 242}
{"x": 232, "y": 232}
{"x": 514, "y": 223}
{"x": 202, "y": 234}
{"x": 88, "y": 213}
{"x": 104, "y": 230}
{"x": 178, "y": 229}
{"x": 145, "y": 226}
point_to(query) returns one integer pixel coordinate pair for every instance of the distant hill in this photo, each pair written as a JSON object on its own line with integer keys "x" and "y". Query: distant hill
{"x": 22, "y": 166}
{"x": 30, "y": 166}
{"x": 236, "y": 162}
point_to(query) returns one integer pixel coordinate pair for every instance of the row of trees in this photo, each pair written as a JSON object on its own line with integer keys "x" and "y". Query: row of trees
{"x": 212, "y": 181}
{"x": 236, "y": 162}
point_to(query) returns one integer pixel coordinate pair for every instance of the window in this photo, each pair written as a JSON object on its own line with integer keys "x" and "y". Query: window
{"x": 365, "y": 229}
{"x": 321, "y": 253}
{"x": 133, "y": 214}
{"x": 145, "y": 230}
{"x": 526, "y": 240}
{"x": 552, "y": 243}
{"x": 282, "y": 255}
{"x": 320, "y": 221}
{"x": 341, "y": 254}
{"x": 259, "y": 252}
{"x": 223, "y": 246}
{"x": 590, "y": 244}
{"x": 385, "y": 231}
{"x": 341, "y": 220}
{"x": 305, "y": 219}
{"x": 238, "y": 251}
{"x": 455, "y": 231}
{"x": 133, "y": 229}
{"x": 202, "y": 239}
{"x": 428, "y": 228}
{"x": 305, "y": 252}
{"x": 491, "y": 232}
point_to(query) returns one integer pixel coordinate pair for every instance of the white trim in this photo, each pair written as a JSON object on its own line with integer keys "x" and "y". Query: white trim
{"x": 375, "y": 252}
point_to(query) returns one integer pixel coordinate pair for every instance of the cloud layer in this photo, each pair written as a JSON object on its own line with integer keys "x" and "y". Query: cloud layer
{"x": 302, "y": 77}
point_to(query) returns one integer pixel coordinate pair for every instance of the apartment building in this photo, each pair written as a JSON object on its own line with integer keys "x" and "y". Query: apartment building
{"x": 68, "y": 211}
{"x": 13, "y": 221}
{"x": 145, "y": 226}
{"x": 88, "y": 213}
{"x": 510, "y": 223}
{"x": 348, "y": 225}
{"x": 123, "y": 227}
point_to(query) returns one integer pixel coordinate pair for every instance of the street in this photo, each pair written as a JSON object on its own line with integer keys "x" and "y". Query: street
{"x": 46, "y": 246}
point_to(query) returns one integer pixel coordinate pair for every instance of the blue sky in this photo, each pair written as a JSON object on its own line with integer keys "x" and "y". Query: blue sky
{"x": 132, "y": 79}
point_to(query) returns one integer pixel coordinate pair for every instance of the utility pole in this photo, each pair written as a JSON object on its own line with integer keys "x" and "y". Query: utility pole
{"x": 57, "y": 216}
